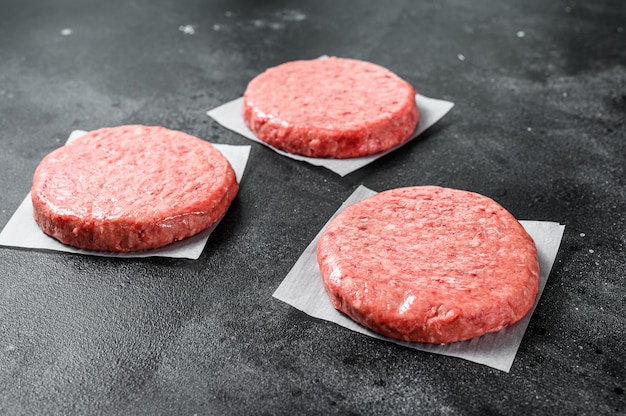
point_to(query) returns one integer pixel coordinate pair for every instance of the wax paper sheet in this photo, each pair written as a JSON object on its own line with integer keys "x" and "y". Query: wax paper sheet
{"x": 302, "y": 288}
{"x": 431, "y": 111}
{"x": 22, "y": 230}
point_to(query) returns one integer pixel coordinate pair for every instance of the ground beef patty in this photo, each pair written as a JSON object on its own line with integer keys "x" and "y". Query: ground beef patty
{"x": 334, "y": 107}
{"x": 429, "y": 264}
{"x": 131, "y": 188}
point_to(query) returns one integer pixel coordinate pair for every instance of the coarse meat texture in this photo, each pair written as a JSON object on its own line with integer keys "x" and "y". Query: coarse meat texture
{"x": 330, "y": 108}
{"x": 429, "y": 264}
{"x": 131, "y": 188}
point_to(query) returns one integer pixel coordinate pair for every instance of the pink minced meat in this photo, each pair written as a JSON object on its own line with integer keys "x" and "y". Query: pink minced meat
{"x": 330, "y": 108}
{"x": 429, "y": 264}
{"x": 131, "y": 188}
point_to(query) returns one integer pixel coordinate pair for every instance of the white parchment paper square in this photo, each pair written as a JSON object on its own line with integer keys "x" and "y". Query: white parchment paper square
{"x": 22, "y": 230}
{"x": 431, "y": 111}
{"x": 302, "y": 288}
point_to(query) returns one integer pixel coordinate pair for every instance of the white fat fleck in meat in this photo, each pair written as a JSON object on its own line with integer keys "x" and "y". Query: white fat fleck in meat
{"x": 406, "y": 304}
{"x": 335, "y": 276}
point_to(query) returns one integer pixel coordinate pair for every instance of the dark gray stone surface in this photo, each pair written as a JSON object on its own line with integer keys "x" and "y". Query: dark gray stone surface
{"x": 540, "y": 93}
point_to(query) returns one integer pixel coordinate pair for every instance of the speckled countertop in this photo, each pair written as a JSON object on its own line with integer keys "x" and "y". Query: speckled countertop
{"x": 539, "y": 125}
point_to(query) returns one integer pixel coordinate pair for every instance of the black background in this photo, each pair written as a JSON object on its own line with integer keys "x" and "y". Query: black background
{"x": 540, "y": 93}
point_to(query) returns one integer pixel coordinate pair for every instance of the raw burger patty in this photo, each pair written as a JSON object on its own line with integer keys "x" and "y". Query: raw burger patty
{"x": 429, "y": 264}
{"x": 131, "y": 188}
{"x": 334, "y": 107}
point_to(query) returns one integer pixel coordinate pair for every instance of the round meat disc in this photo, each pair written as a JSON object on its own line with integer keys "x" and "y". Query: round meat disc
{"x": 131, "y": 188}
{"x": 330, "y": 108}
{"x": 429, "y": 264}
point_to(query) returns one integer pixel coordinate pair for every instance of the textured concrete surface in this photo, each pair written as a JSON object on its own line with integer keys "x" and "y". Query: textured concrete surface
{"x": 540, "y": 93}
